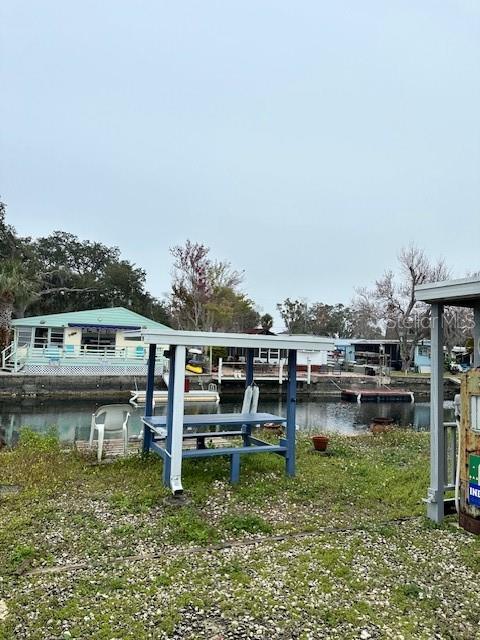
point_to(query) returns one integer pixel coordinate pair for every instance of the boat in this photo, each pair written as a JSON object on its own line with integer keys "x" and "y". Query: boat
{"x": 161, "y": 397}
{"x": 378, "y": 395}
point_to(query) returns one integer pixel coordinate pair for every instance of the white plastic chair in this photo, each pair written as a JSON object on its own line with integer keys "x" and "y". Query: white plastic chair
{"x": 111, "y": 417}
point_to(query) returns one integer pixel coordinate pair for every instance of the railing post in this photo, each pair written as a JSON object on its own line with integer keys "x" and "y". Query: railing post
{"x": 220, "y": 366}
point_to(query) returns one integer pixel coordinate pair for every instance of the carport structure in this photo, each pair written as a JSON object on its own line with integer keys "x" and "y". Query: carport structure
{"x": 164, "y": 435}
{"x": 457, "y": 293}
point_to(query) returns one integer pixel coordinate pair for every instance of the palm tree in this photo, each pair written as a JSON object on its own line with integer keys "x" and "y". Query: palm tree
{"x": 266, "y": 322}
{"x": 15, "y": 286}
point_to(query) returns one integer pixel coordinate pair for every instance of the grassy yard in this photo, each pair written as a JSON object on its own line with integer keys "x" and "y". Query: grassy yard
{"x": 341, "y": 551}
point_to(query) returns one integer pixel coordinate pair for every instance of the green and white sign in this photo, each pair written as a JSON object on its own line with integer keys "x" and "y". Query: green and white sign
{"x": 474, "y": 480}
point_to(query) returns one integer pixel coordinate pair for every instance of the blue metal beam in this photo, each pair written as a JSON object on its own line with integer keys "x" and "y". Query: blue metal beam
{"x": 235, "y": 468}
{"x": 147, "y": 434}
{"x": 249, "y": 368}
{"x": 291, "y": 411}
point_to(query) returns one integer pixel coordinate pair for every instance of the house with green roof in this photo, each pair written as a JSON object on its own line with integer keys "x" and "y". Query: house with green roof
{"x": 94, "y": 341}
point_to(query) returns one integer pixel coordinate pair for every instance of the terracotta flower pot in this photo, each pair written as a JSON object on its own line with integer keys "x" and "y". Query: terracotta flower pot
{"x": 320, "y": 443}
{"x": 381, "y": 425}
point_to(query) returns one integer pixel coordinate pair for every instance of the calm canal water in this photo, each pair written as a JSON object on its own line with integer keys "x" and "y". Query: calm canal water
{"x": 72, "y": 417}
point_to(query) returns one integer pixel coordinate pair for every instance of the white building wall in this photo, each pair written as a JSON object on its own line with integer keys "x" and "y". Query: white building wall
{"x": 316, "y": 358}
{"x": 72, "y": 336}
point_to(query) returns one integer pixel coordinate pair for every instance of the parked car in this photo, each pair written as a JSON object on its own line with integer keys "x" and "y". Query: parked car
{"x": 457, "y": 367}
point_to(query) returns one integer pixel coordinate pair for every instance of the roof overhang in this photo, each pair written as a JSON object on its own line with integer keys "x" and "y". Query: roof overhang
{"x": 458, "y": 293}
{"x": 87, "y": 325}
{"x": 242, "y": 340}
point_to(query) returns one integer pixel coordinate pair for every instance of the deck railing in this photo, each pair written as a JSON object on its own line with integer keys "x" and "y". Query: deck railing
{"x": 7, "y": 354}
{"x": 14, "y": 357}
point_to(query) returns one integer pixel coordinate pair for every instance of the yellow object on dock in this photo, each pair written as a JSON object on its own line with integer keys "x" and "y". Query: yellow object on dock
{"x": 194, "y": 368}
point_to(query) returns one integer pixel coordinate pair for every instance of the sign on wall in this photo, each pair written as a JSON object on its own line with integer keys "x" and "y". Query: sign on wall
{"x": 474, "y": 480}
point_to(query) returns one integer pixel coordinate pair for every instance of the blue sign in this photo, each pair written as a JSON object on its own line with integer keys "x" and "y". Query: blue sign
{"x": 474, "y": 494}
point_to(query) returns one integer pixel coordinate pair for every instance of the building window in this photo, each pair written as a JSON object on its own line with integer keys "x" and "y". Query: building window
{"x": 56, "y": 336}
{"x": 24, "y": 337}
{"x": 269, "y": 355}
{"x": 98, "y": 338}
{"x": 41, "y": 337}
{"x": 424, "y": 351}
{"x": 44, "y": 336}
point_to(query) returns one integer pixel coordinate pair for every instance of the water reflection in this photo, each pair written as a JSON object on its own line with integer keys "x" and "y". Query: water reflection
{"x": 72, "y": 417}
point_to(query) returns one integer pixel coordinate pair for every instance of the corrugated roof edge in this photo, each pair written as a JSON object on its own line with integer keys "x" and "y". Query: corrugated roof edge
{"x": 450, "y": 291}
{"x": 245, "y": 340}
{"x": 77, "y": 317}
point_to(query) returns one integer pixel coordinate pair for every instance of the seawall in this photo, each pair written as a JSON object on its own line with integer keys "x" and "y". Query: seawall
{"x": 25, "y": 386}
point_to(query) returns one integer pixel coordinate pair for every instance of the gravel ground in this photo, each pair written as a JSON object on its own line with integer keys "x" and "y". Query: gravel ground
{"x": 100, "y": 552}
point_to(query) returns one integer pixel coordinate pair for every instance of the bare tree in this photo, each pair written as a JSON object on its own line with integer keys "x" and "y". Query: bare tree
{"x": 394, "y": 294}
{"x": 365, "y": 315}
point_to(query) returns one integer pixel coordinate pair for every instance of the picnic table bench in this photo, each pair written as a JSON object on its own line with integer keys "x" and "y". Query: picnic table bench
{"x": 245, "y": 421}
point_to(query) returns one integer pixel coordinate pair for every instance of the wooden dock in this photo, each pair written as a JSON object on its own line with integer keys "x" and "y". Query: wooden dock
{"x": 382, "y": 394}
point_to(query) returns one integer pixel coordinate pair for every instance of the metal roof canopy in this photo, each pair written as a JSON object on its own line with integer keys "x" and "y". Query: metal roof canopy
{"x": 242, "y": 340}
{"x": 173, "y": 452}
{"x": 106, "y": 317}
{"x": 458, "y": 293}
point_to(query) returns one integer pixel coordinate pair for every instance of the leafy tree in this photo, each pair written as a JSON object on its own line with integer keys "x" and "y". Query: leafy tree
{"x": 294, "y": 314}
{"x": 229, "y": 310}
{"x": 15, "y": 284}
{"x": 318, "y": 318}
{"x": 67, "y": 273}
{"x": 330, "y": 320}
{"x": 266, "y": 322}
{"x": 205, "y": 292}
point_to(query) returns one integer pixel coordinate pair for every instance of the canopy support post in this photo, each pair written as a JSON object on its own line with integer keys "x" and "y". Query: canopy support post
{"x": 147, "y": 434}
{"x": 435, "y": 498}
{"x": 178, "y": 401}
{"x": 168, "y": 439}
{"x": 291, "y": 412}
{"x": 249, "y": 368}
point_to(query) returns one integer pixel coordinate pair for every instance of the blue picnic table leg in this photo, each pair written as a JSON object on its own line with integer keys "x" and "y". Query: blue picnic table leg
{"x": 168, "y": 439}
{"x": 249, "y": 377}
{"x": 235, "y": 468}
{"x": 147, "y": 434}
{"x": 291, "y": 412}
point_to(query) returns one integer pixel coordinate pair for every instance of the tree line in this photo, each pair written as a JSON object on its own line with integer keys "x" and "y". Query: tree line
{"x": 60, "y": 272}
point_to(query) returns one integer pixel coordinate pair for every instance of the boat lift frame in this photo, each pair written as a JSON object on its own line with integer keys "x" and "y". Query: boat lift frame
{"x": 164, "y": 435}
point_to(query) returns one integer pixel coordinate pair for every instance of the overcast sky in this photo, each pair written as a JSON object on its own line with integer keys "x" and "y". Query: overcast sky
{"x": 304, "y": 141}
